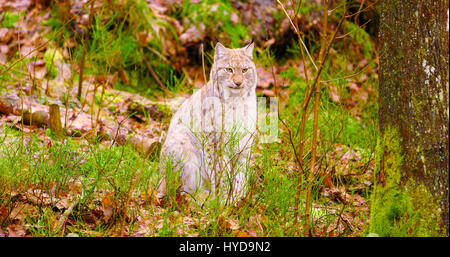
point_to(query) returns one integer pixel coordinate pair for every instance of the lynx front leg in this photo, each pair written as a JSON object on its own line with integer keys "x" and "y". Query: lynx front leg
{"x": 191, "y": 179}
{"x": 241, "y": 170}
{"x": 239, "y": 187}
{"x": 180, "y": 165}
{"x": 184, "y": 177}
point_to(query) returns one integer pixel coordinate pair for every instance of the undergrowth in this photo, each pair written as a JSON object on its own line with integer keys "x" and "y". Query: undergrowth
{"x": 110, "y": 188}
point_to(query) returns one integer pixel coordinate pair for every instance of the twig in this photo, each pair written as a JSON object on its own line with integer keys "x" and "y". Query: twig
{"x": 334, "y": 141}
{"x": 309, "y": 94}
{"x": 158, "y": 54}
{"x": 361, "y": 10}
{"x": 316, "y": 118}
{"x": 203, "y": 63}
{"x": 298, "y": 34}
{"x": 348, "y": 33}
{"x": 291, "y": 141}
{"x": 25, "y": 56}
{"x": 62, "y": 221}
{"x": 86, "y": 41}
{"x": 347, "y": 77}
{"x": 152, "y": 72}
{"x": 130, "y": 191}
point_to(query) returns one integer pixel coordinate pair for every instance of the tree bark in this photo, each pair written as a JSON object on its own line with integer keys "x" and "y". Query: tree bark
{"x": 411, "y": 193}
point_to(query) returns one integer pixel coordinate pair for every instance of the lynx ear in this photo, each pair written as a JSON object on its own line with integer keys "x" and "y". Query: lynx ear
{"x": 220, "y": 51}
{"x": 248, "y": 50}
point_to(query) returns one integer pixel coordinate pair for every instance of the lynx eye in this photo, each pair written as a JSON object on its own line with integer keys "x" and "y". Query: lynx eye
{"x": 229, "y": 70}
{"x": 244, "y": 70}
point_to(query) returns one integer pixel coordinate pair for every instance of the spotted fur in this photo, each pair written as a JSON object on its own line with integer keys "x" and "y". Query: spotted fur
{"x": 210, "y": 136}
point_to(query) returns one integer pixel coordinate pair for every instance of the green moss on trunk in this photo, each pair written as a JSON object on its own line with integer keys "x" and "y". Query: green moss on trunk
{"x": 399, "y": 208}
{"x": 413, "y": 99}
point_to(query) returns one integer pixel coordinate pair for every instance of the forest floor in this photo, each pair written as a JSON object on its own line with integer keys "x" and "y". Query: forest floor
{"x": 97, "y": 177}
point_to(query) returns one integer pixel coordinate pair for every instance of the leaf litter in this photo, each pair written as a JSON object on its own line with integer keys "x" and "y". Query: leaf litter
{"x": 349, "y": 178}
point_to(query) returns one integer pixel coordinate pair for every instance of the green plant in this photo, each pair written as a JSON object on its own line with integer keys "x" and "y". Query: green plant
{"x": 9, "y": 19}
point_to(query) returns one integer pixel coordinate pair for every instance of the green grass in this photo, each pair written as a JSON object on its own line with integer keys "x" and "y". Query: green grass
{"x": 91, "y": 174}
{"x": 54, "y": 169}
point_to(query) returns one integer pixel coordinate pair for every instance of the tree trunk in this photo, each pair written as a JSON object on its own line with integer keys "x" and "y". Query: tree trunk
{"x": 411, "y": 191}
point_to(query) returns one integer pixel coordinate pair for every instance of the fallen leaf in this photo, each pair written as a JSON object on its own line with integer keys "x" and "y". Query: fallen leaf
{"x": 193, "y": 35}
{"x": 3, "y": 212}
{"x": 241, "y": 233}
{"x": 265, "y": 78}
{"x": 108, "y": 205}
{"x": 28, "y": 51}
{"x": 5, "y": 35}
{"x": 16, "y": 230}
{"x": 159, "y": 5}
{"x": 91, "y": 233}
{"x": 36, "y": 71}
{"x": 4, "y": 49}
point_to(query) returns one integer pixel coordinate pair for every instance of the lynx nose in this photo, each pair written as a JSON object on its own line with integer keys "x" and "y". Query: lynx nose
{"x": 237, "y": 79}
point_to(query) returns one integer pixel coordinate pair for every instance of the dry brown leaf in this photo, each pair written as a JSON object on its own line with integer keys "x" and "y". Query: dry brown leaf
{"x": 193, "y": 35}
{"x": 108, "y": 206}
{"x": 4, "y": 49}
{"x": 28, "y": 51}
{"x": 327, "y": 180}
{"x": 3, "y": 212}
{"x": 149, "y": 197}
{"x": 160, "y": 6}
{"x": 241, "y": 233}
{"x": 62, "y": 204}
{"x": 91, "y": 233}
{"x": 190, "y": 222}
{"x": 16, "y": 230}
{"x": 265, "y": 78}
{"x": 5, "y": 35}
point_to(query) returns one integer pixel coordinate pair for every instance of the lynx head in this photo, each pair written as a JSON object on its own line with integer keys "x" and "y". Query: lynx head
{"x": 233, "y": 72}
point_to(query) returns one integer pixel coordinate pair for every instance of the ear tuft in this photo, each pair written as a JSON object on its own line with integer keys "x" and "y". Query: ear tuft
{"x": 248, "y": 50}
{"x": 219, "y": 51}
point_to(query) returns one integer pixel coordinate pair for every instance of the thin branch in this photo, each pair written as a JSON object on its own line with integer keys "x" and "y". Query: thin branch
{"x": 152, "y": 72}
{"x": 361, "y": 10}
{"x": 316, "y": 118}
{"x": 298, "y": 34}
{"x": 86, "y": 41}
{"x": 351, "y": 31}
{"x": 347, "y": 77}
{"x": 203, "y": 64}
{"x": 158, "y": 54}
{"x": 63, "y": 220}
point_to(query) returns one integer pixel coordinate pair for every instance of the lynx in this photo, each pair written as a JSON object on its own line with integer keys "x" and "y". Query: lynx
{"x": 209, "y": 140}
